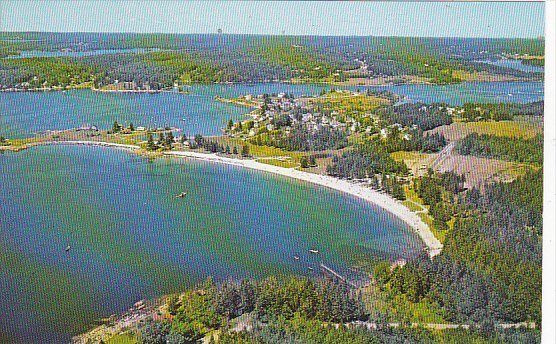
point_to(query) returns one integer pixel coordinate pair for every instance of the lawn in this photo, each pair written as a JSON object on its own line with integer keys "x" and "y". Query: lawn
{"x": 439, "y": 234}
{"x": 522, "y": 128}
{"x": 415, "y": 160}
{"x": 420, "y": 312}
{"x": 398, "y": 306}
{"x": 255, "y": 150}
{"x": 347, "y": 104}
{"x": 412, "y": 195}
{"x": 412, "y": 206}
{"x": 278, "y": 162}
{"x": 122, "y": 339}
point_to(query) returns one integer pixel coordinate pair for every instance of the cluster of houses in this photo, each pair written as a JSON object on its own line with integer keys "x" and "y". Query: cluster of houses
{"x": 283, "y": 111}
{"x": 133, "y": 86}
{"x": 272, "y": 111}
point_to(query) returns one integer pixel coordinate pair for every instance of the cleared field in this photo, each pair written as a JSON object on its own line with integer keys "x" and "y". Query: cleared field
{"x": 122, "y": 339}
{"x": 479, "y": 171}
{"x": 255, "y": 150}
{"x": 279, "y": 162}
{"x": 482, "y": 76}
{"x": 415, "y": 161}
{"x": 439, "y": 234}
{"x": 411, "y": 205}
{"x": 349, "y": 104}
{"x": 458, "y": 130}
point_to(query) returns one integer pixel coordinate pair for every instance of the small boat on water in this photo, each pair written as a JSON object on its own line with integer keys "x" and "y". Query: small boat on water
{"x": 296, "y": 257}
{"x": 181, "y": 195}
{"x": 310, "y": 268}
{"x": 68, "y": 248}
{"x": 313, "y": 250}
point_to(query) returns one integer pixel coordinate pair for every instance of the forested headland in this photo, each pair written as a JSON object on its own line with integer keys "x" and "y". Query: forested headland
{"x": 180, "y": 59}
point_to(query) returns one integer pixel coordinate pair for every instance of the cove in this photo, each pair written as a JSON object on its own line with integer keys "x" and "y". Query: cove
{"x": 131, "y": 238}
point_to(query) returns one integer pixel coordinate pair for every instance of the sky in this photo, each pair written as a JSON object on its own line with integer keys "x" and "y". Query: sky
{"x": 414, "y": 19}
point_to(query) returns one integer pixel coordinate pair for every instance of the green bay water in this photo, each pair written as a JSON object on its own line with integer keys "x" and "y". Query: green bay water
{"x": 131, "y": 238}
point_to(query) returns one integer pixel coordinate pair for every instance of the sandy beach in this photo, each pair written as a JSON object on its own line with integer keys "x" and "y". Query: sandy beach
{"x": 434, "y": 247}
{"x": 85, "y": 143}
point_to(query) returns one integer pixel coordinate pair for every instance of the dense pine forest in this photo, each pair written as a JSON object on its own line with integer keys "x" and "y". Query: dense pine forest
{"x": 243, "y": 58}
{"x": 505, "y": 148}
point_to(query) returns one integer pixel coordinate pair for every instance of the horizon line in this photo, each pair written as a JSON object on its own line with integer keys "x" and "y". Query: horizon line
{"x": 264, "y": 34}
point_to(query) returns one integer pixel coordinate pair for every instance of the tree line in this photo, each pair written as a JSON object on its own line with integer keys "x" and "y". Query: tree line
{"x": 490, "y": 269}
{"x": 505, "y": 148}
{"x": 293, "y": 310}
{"x": 300, "y": 138}
{"x": 501, "y": 111}
{"x": 210, "y": 306}
{"x": 424, "y": 116}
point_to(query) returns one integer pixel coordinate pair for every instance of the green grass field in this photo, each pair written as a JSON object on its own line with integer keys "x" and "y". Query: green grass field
{"x": 412, "y": 206}
{"x": 347, "y": 104}
{"x": 524, "y": 129}
{"x": 122, "y": 339}
{"x": 278, "y": 162}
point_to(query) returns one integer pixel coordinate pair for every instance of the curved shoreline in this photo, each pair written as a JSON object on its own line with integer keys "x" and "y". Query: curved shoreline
{"x": 434, "y": 247}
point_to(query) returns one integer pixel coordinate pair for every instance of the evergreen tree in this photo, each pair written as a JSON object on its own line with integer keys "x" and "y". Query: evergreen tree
{"x": 312, "y": 161}
{"x": 199, "y": 139}
{"x": 150, "y": 142}
{"x": 227, "y": 149}
{"x": 397, "y": 190}
{"x": 173, "y": 304}
{"x": 248, "y": 296}
{"x": 228, "y": 300}
{"x": 161, "y": 138}
{"x": 245, "y": 151}
{"x": 304, "y": 162}
{"x": 230, "y": 124}
{"x": 374, "y": 182}
{"x": 169, "y": 140}
{"x": 235, "y": 151}
{"x": 116, "y": 127}
{"x": 131, "y": 127}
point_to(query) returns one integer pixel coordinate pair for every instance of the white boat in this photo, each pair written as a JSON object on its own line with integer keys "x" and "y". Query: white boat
{"x": 313, "y": 250}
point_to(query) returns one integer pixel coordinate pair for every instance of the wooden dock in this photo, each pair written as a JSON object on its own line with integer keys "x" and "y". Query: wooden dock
{"x": 331, "y": 273}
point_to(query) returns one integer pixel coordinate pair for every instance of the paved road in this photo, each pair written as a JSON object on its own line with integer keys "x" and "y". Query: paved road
{"x": 443, "y": 155}
{"x": 372, "y": 326}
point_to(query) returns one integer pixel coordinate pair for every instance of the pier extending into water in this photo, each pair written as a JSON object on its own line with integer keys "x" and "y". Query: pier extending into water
{"x": 359, "y": 281}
